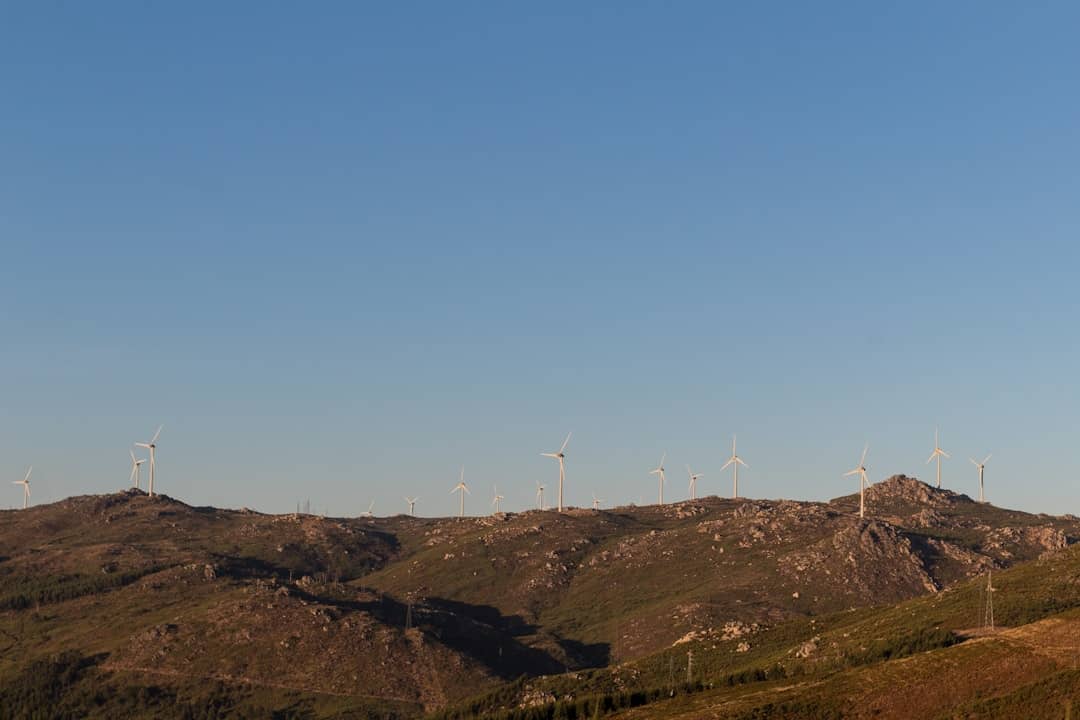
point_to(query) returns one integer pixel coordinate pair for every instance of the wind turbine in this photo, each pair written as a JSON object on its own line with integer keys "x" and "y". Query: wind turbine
{"x": 980, "y": 465}
{"x": 561, "y": 457}
{"x": 659, "y": 471}
{"x": 461, "y": 488}
{"x": 495, "y": 500}
{"x": 863, "y": 483}
{"x": 693, "y": 482}
{"x": 539, "y": 496}
{"x": 136, "y": 464}
{"x": 595, "y": 502}
{"x": 25, "y": 482}
{"x": 151, "y": 446}
{"x": 412, "y": 505}
{"x": 938, "y": 453}
{"x": 736, "y": 461}
{"x": 370, "y": 510}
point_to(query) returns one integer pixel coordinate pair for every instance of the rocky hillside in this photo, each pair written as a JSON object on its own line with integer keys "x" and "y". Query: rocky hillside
{"x": 141, "y": 605}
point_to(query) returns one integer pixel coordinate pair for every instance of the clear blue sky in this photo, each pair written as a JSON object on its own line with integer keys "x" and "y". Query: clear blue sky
{"x": 341, "y": 250}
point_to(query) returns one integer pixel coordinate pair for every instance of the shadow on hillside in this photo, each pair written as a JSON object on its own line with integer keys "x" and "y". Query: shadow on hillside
{"x": 479, "y": 631}
{"x": 294, "y": 560}
{"x": 587, "y": 655}
{"x": 513, "y": 625}
{"x": 485, "y": 635}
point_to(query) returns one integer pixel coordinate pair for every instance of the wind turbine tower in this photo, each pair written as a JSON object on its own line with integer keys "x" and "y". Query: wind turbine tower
{"x": 861, "y": 472}
{"x": 693, "y": 482}
{"x": 539, "y": 496}
{"x": 25, "y": 482}
{"x": 412, "y": 505}
{"x": 561, "y": 457}
{"x": 659, "y": 472}
{"x": 136, "y": 465}
{"x": 736, "y": 461}
{"x": 461, "y": 488}
{"x": 595, "y": 502}
{"x": 151, "y": 446}
{"x": 980, "y": 466}
{"x": 938, "y": 453}
{"x": 498, "y": 498}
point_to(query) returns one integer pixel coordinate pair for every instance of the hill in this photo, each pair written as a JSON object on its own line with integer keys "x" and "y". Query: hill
{"x": 122, "y": 605}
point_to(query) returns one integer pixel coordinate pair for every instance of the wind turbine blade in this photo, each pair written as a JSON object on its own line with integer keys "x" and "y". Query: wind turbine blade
{"x": 852, "y": 472}
{"x": 987, "y": 459}
{"x": 944, "y": 453}
{"x": 566, "y": 441}
{"x": 154, "y": 440}
{"x": 143, "y": 445}
{"x": 551, "y": 455}
{"x": 740, "y": 461}
{"x": 28, "y": 471}
{"x": 727, "y": 463}
{"x": 865, "y": 450}
{"x": 931, "y": 458}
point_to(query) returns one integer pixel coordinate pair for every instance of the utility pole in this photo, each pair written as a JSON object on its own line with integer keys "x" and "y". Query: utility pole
{"x": 689, "y": 667}
{"x": 988, "y": 615}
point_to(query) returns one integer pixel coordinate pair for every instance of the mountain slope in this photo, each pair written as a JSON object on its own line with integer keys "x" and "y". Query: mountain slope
{"x": 151, "y": 602}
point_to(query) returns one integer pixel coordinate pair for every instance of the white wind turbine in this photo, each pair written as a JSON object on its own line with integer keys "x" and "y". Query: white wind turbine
{"x": 370, "y": 512}
{"x": 412, "y": 505}
{"x": 561, "y": 457}
{"x": 863, "y": 482}
{"x": 495, "y": 500}
{"x": 938, "y": 453}
{"x": 736, "y": 461}
{"x": 461, "y": 488}
{"x": 980, "y": 465}
{"x": 136, "y": 465}
{"x": 693, "y": 482}
{"x": 25, "y": 482}
{"x": 539, "y": 496}
{"x": 151, "y": 446}
{"x": 659, "y": 471}
{"x": 595, "y": 502}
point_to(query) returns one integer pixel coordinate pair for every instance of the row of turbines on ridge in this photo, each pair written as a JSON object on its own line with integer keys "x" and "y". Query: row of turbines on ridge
{"x": 734, "y": 462}
{"x": 463, "y": 489}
